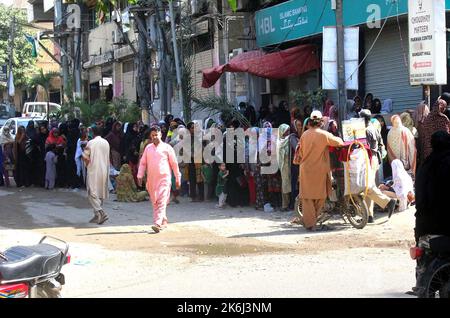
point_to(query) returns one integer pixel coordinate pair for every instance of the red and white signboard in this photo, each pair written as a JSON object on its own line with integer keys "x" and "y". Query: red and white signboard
{"x": 427, "y": 42}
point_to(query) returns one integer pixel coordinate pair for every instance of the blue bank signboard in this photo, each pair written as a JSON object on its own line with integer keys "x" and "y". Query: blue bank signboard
{"x": 296, "y": 19}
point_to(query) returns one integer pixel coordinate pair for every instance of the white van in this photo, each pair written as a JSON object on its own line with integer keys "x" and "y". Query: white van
{"x": 39, "y": 109}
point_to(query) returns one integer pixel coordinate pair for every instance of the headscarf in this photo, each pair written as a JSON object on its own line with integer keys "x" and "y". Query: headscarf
{"x": 265, "y": 141}
{"x": 125, "y": 169}
{"x": 422, "y": 112}
{"x": 334, "y": 113}
{"x": 434, "y": 122}
{"x": 350, "y": 109}
{"x": 335, "y": 133}
{"x": 305, "y": 123}
{"x": 376, "y": 124}
{"x": 31, "y": 131}
{"x": 283, "y": 157}
{"x": 402, "y": 181}
{"x": 401, "y": 144}
{"x": 408, "y": 122}
{"x": 357, "y": 97}
{"x": 208, "y": 122}
{"x": 328, "y": 104}
{"x": 114, "y": 137}
{"x": 19, "y": 142}
{"x": 251, "y": 149}
{"x": 387, "y": 106}
{"x": 90, "y": 132}
{"x": 5, "y": 137}
{"x": 366, "y": 104}
{"x": 52, "y": 139}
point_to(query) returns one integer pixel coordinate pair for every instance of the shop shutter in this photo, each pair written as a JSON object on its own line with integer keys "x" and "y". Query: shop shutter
{"x": 386, "y": 74}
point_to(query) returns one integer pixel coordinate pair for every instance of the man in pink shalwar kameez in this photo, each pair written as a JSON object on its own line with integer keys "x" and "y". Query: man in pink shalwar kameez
{"x": 158, "y": 161}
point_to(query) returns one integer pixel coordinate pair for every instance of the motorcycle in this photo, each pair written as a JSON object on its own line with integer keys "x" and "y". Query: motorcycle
{"x": 433, "y": 266}
{"x": 33, "y": 271}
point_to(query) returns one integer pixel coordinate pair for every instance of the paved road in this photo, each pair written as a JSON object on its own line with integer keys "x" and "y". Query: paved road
{"x": 207, "y": 252}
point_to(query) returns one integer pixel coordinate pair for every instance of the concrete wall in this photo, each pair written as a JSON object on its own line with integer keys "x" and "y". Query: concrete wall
{"x": 201, "y": 61}
{"x": 101, "y": 39}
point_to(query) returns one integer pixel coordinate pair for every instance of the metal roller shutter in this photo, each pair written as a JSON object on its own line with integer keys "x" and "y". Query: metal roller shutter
{"x": 386, "y": 75}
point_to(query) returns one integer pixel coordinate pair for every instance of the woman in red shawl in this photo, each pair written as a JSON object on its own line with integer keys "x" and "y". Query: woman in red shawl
{"x": 326, "y": 110}
{"x": 55, "y": 138}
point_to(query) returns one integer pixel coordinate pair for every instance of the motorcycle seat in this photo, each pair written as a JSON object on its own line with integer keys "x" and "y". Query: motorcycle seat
{"x": 440, "y": 244}
{"x": 25, "y": 262}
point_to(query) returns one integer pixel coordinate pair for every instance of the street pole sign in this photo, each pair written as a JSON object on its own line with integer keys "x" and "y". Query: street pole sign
{"x": 427, "y": 42}
{"x": 4, "y": 73}
{"x": 329, "y": 58}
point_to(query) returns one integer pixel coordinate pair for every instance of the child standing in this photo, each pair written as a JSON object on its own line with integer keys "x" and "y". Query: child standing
{"x": 221, "y": 190}
{"x": 50, "y": 164}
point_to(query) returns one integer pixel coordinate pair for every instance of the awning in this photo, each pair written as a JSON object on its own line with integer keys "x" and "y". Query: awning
{"x": 283, "y": 64}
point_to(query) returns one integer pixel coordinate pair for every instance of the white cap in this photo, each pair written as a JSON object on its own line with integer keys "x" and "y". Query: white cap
{"x": 316, "y": 115}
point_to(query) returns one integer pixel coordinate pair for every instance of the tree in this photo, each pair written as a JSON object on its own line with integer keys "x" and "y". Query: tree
{"x": 43, "y": 80}
{"x": 24, "y": 63}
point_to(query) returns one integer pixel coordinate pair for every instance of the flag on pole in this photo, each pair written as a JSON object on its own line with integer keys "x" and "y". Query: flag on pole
{"x": 33, "y": 45}
{"x": 233, "y": 5}
{"x": 11, "y": 89}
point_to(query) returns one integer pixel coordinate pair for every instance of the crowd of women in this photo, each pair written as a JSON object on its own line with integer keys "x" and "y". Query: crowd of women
{"x": 25, "y": 156}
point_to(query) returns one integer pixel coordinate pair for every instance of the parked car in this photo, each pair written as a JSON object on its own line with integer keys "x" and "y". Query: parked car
{"x": 14, "y": 123}
{"x": 39, "y": 109}
{"x": 6, "y": 111}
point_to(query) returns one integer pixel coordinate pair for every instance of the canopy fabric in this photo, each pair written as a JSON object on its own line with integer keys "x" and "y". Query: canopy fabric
{"x": 283, "y": 64}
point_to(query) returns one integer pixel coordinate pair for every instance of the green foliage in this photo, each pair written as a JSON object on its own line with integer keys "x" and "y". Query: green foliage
{"x": 124, "y": 110}
{"x": 312, "y": 99}
{"x": 233, "y": 5}
{"x": 24, "y": 63}
{"x": 121, "y": 109}
{"x": 215, "y": 105}
{"x": 91, "y": 112}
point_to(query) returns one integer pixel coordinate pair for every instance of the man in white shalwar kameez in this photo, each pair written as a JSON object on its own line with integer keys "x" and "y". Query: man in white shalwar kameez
{"x": 96, "y": 157}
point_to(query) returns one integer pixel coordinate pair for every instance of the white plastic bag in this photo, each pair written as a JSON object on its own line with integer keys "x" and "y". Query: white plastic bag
{"x": 357, "y": 172}
{"x": 268, "y": 208}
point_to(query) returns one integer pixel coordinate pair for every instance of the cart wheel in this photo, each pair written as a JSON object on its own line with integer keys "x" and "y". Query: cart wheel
{"x": 358, "y": 214}
{"x": 298, "y": 209}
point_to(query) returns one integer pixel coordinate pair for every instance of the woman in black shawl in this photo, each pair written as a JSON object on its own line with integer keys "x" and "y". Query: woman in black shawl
{"x": 130, "y": 148}
{"x": 73, "y": 135}
{"x": 33, "y": 153}
{"x": 238, "y": 192}
{"x": 42, "y": 137}
{"x": 22, "y": 166}
{"x": 432, "y": 215}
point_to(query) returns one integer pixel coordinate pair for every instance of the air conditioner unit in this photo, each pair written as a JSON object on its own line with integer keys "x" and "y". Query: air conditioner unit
{"x": 117, "y": 37}
{"x": 265, "y": 86}
{"x": 236, "y": 52}
{"x": 115, "y": 16}
{"x": 242, "y": 5}
{"x": 199, "y": 7}
{"x": 247, "y": 5}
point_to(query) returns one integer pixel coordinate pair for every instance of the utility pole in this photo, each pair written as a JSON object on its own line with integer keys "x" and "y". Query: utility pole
{"x": 159, "y": 13}
{"x": 11, "y": 56}
{"x": 77, "y": 62}
{"x": 65, "y": 70}
{"x": 342, "y": 92}
{"x": 175, "y": 52}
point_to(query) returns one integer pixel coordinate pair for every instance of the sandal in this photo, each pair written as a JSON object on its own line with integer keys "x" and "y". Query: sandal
{"x": 296, "y": 220}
